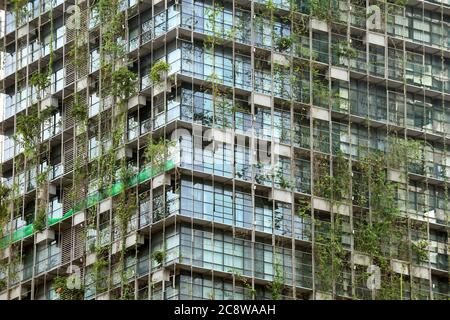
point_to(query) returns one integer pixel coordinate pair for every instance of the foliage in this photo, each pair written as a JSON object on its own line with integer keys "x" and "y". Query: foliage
{"x": 159, "y": 256}
{"x": 40, "y": 223}
{"x": 330, "y": 254}
{"x": 157, "y": 70}
{"x": 284, "y": 43}
{"x": 41, "y": 81}
{"x": 156, "y": 152}
{"x": 420, "y": 249}
{"x": 278, "y": 281}
{"x": 20, "y": 10}
{"x": 28, "y": 128}
{"x": 320, "y": 9}
{"x": 343, "y": 49}
{"x": 79, "y": 110}
{"x": 65, "y": 293}
{"x": 123, "y": 83}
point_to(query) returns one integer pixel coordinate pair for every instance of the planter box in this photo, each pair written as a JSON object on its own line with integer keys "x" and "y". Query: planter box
{"x": 160, "y": 180}
{"x": 90, "y": 259}
{"x": 319, "y": 25}
{"x": 400, "y": 267}
{"x": 375, "y": 38}
{"x": 46, "y": 235}
{"x": 341, "y": 208}
{"x": 105, "y": 205}
{"x": 130, "y": 241}
{"x": 362, "y": 259}
{"x": 5, "y": 253}
{"x": 42, "y": 193}
{"x": 160, "y": 275}
{"x": 396, "y": 176}
{"x": 339, "y": 74}
{"x": 49, "y": 102}
{"x": 282, "y": 150}
{"x": 280, "y": 195}
{"x": 25, "y": 30}
{"x": 136, "y": 101}
{"x": 82, "y": 84}
{"x": 162, "y": 87}
{"x": 260, "y": 100}
{"x": 123, "y": 152}
{"x": 134, "y": 239}
{"x": 323, "y": 296}
{"x": 17, "y": 292}
{"x": 319, "y": 113}
{"x": 280, "y": 59}
{"x": 321, "y": 204}
{"x": 103, "y": 296}
{"x": 78, "y": 218}
{"x": 420, "y": 272}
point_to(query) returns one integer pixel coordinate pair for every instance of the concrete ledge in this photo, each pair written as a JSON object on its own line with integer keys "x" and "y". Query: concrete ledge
{"x": 103, "y": 296}
{"x": 260, "y": 100}
{"x": 162, "y": 87}
{"x": 401, "y": 267}
{"x": 16, "y": 292}
{"x": 339, "y": 74}
{"x": 321, "y": 204}
{"x": 105, "y": 205}
{"x": 5, "y": 253}
{"x": 396, "y": 176}
{"x": 136, "y": 101}
{"x": 90, "y": 259}
{"x": 319, "y": 25}
{"x": 342, "y": 208}
{"x": 160, "y": 180}
{"x": 420, "y": 272}
{"x": 280, "y": 195}
{"x": 319, "y": 113}
{"x": 131, "y": 240}
{"x": 78, "y": 218}
{"x": 124, "y": 152}
{"x": 46, "y": 235}
{"x": 362, "y": 259}
{"x": 49, "y": 102}
{"x": 160, "y": 275}
{"x": 82, "y": 84}
{"x": 280, "y": 59}
{"x": 134, "y": 239}
{"x": 282, "y": 150}
{"x": 375, "y": 38}
{"x": 219, "y": 135}
{"x": 323, "y": 296}
{"x": 24, "y": 31}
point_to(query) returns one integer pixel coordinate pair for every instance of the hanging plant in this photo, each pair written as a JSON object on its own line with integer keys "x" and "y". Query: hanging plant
{"x": 159, "y": 256}
{"x": 123, "y": 83}
{"x": 41, "y": 81}
{"x": 79, "y": 110}
{"x": 40, "y": 223}
{"x": 21, "y": 11}
{"x": 156, "y": 152}
{"x": 343, "y": 49}
{"x": 63, "y": 290}
{"x": 158, "y": 70}
{"x": 284, "y": 43}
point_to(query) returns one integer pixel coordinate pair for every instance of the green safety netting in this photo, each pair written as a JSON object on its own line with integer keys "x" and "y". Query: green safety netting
{"x": 117, "y": 188}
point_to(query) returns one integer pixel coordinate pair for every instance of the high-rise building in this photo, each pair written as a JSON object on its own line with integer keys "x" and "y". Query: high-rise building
{"x": 233, "y": 149}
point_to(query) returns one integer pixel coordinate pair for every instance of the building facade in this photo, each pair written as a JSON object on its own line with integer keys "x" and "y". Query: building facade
{"x": 204, "y": 149}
